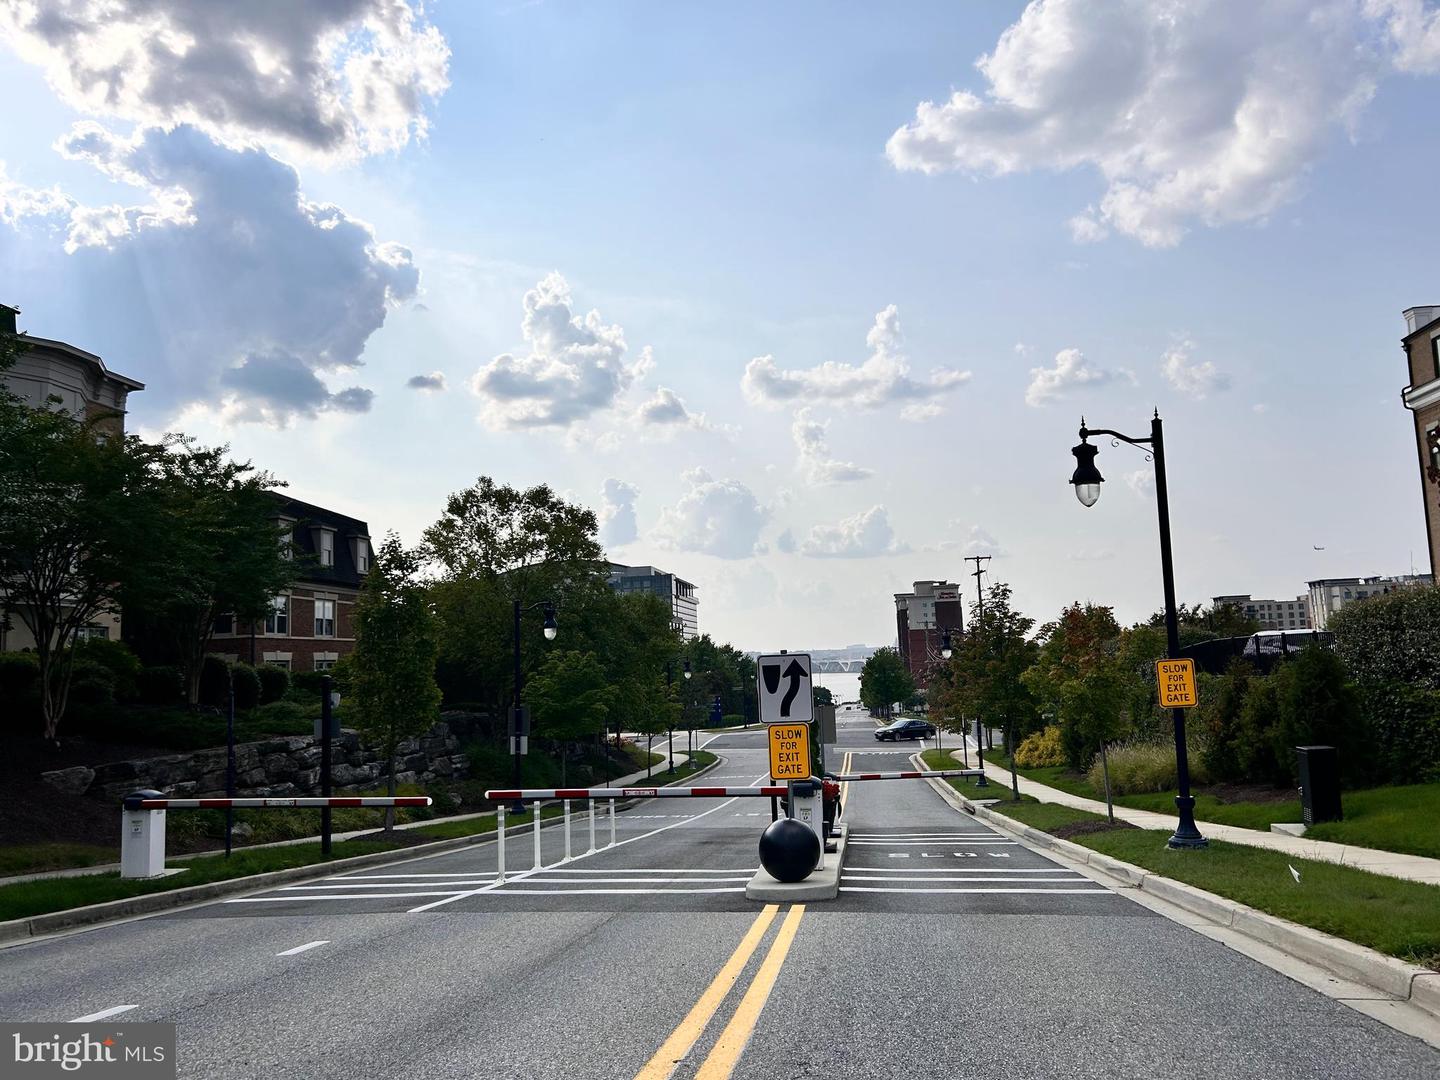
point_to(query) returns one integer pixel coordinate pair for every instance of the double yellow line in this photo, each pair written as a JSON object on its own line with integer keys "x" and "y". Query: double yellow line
{"x": 727, "y": 1049}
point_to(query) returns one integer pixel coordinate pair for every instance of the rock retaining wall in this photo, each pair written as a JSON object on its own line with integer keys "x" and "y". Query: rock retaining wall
{"x": 274, "y": 768}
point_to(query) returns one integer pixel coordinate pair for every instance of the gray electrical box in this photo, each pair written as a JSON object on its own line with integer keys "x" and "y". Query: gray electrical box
{"x": 1319, "y": 768}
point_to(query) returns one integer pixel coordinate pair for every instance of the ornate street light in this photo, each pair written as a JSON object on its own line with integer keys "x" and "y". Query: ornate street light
{"x": 518, "y": 728}
{"x": 1087, "y": 481}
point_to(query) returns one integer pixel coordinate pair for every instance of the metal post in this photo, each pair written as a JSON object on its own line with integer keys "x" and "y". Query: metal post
{"x": 979, "y": 757}
{"x": 592, "y": 828}
{"x": 567, "y": 830}
{"x": 500, "y": 842}
{"x": 1186, "y": 834}
{"x": 1010, "y": 750}
{"x": 670, "y": 721}
{"x": 519, "y": 807}
{"x": 325, "y": 765}
{"x": 230, "y": 767}
{"x": 612, "y": 822}
{"x": 537, "y": 834}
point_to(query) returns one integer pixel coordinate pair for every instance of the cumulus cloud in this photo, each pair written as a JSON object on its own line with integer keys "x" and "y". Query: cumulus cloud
{"x": 1205, "y": 112}
{"x": 666, "y": 409}
{"x": 714, "y": 517}
{"x": 575, "y": 367}
{"x": 226, "y": 285}
{"x": 617, "y": 512}
{"x": 980, "y": 542}
{"x": 1141, "y": 482}
{"x": 785, "y": 542}
{"x": 1194, "y": 379}
{"x": 1071, "y": 372}
{"x": 435, "y": 381}
{"x": 861, "y": 536}
{"x": 883, "y": 378}
{"x": 332, "y": 81}
{"x": 815, "y": 462}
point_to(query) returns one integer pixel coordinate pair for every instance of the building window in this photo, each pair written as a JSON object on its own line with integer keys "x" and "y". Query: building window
{"x": 284, "y": 665}
{"x": 1435, "y": 354}
{"x": 277, "y": 619}
{"x": 324, "y": 665}
{"x": 225, "y": 624}
{"x": 327, "y": 547}
{"x": 92, "y": 632}
{"x": 324, "y": 618}
{"x": 362, "y": 556}
{"x": 287, "y": 538}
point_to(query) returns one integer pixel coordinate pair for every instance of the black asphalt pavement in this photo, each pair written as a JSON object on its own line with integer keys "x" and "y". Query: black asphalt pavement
{"x": 952, "y": 951}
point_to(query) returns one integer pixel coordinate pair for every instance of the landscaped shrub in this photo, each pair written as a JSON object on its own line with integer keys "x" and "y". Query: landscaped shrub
{"x": 308, "y": 683}
{"x": 116, "y": 657}
{"x": 1393, "y": 638}
{"x": 1137, "y": 767}
{"x": 1405, "y": 720}
{"x": 247, "y": 686}
{"x": 215, "y": 682}
{"x": 1221, "y": 703}
{"x": 1317, "y": 706}
{"x": 732, "y": 720}
{"x": 1041, "y": 750}
{"x": 278, "y": 718}
{"x": 19, "y": 674}
{"x": 160, "y": 685}
{"x": 91, "y": 684}
{"x": 274, "y": 682}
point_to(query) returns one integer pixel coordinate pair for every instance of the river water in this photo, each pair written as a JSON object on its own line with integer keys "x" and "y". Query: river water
{"x": 844, "y": 685}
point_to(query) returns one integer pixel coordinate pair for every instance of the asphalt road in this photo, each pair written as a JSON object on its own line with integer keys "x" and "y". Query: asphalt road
{"x": 952, "y": 951}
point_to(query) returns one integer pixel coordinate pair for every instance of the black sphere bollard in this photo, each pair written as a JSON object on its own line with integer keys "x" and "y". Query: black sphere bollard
{"x": 789, "y": 850}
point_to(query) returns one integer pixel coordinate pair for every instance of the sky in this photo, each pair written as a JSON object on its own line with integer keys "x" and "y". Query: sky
{"x": 805, "y": 300}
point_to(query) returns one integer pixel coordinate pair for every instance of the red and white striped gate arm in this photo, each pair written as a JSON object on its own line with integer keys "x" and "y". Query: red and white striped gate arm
{"x": 523, "y": 794}
{"x": 133, "y": 803}
{"x": 901, "y": 775}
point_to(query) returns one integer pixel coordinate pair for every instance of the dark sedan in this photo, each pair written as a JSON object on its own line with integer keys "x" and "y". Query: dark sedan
{"x": 905, "y": 729}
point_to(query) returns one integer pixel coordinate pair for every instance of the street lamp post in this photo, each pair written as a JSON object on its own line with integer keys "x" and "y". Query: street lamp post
{"x": 1087, "y": 481}
{"x": 670, "y": 733}
{"x": 517, "y": 733}
{"x": 947, "y": 650}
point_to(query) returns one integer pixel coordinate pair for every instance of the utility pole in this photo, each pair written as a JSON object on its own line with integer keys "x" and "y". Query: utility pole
{"x": 979, "y": 561}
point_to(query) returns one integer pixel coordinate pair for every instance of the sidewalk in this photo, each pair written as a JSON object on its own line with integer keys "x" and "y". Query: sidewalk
{"x": 655, "y": 779}
{"x": 1389, "y": 863}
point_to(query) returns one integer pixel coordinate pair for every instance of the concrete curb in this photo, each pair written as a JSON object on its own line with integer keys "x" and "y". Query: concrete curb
{"x": 1405, "y": 982}
{"x": 16, "y": 931}
{"x": 820, "y": 885}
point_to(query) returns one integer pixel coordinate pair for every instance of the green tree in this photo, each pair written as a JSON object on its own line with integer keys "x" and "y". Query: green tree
{"x": 884, "y": 680}
{"x": 1317, "y": 706}
{"x": 221, "y": 551}
{"x": 570, "y": 698}
{"x": 77, "y": 519}
{"x": 1198, "y": 623}
{"x": 391, "y": 674}
{"x": 1079, "y": 679}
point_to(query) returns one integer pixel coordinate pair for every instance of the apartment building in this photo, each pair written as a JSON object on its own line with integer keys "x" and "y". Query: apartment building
{"x": 674, "y": 590}
{"x": 1330, "y": 595}
{"x": 1422, "y": 397}
{"x": 922, "y": 617}
{"x": 1271, "y": 614}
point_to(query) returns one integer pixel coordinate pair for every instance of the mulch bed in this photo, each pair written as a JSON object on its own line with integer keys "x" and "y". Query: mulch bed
{"x": 1081, "y": 828}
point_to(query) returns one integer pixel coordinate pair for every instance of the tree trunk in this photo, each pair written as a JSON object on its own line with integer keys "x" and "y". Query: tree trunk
{"x": 1105, "y": 769}
{"x": 390, "y": 810}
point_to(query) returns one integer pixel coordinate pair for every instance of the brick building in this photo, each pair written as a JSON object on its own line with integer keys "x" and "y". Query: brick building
{"x": 311, "y": 624}
{"x": 1422, "y": 397}
{"x": 922, "y": 618}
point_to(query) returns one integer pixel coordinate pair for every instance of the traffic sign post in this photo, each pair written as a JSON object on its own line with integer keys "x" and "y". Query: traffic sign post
{"x": 1175, "y": 684}
{"x": 784, "y": 688}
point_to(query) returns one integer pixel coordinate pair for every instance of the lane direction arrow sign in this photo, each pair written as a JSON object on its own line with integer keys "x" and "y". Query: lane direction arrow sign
{"x": 785, "y": 688}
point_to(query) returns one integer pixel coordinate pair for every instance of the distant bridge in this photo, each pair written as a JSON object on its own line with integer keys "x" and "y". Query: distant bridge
{"x": 839, "y": 664}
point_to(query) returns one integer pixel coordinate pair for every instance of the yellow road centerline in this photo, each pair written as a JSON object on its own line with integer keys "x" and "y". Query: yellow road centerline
{"x": 683, "y": 1037}
{"x": 845, "y": 787}
{"x": 731, "y": 1044}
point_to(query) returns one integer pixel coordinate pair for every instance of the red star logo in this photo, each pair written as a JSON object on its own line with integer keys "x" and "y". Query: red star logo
{"x": 108, "y": 1042}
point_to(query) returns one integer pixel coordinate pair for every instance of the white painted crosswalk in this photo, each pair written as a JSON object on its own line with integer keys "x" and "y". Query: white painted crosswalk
{"x": 885, "y": 863}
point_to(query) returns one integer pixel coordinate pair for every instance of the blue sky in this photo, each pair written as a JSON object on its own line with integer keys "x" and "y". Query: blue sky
{"x": 1245, "y": 199}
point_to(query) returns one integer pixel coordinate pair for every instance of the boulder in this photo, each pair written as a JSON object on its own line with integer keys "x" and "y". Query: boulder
{"x": 72, "y": 781}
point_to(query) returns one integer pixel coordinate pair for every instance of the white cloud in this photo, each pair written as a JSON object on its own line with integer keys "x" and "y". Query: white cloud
{"x": 815, "y": 462}
{"x": 785, "y": 542}
{"x": 1071, "y": 372}
{"x": 1141, "y": 482}
{"x": 435, "y": 381}
{"x": 229, "y": 286}
{"x": 920, "y": 411}
{"x": 575, "y": 368}
{"x": 1208, "y": 111}
{"x": 861, "y": 536}
{"x": 883, "y": 378}
{"x": 667, "y": 410}
{"x": 617, "y": 513}
{"x": 1260, "y": 408}
{"x": 980, "y": 542}
{"x": 715, "y": 517}
{"x": 1196, "y": 380}
{"x": 327, "y": 80}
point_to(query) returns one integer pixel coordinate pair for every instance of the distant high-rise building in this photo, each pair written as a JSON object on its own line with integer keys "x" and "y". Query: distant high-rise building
{"x": 676, "y": 591}
{"x": 922, "y": 617}
{"x": 1271, "y": 614}
{"x": 1329, "y": 595}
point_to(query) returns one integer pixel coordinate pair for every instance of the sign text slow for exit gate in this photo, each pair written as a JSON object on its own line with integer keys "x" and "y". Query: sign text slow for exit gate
{"x": 1175, "y": 683}
{"x": 790, "y": 751}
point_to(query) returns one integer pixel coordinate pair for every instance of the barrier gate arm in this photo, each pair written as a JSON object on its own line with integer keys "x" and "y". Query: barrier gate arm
{"x": 903, "y": 775}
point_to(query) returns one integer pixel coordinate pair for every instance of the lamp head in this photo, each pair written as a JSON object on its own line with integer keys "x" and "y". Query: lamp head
{"x": 550, "y": 628}
{"x": 1086, "y": 477}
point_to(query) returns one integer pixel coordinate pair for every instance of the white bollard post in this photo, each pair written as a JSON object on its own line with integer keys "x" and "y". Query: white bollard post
{"x": 612, "y": 822}
{"x": 142, "y": 842}
{"x": 538, "y": 864}
{"x": 592, "y": 828}
{"x": 567, "y": 831}
{"x": 500, "y": 844}
{"x": 810, "y": 810}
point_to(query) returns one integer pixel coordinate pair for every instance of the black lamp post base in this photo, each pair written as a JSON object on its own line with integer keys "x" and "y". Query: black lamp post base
{"x": 1186, "y": 834}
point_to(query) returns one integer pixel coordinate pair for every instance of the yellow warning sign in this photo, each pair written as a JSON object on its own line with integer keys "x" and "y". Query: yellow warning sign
{"x": 790, "y": 751}
{"x": 1176, "y": 682}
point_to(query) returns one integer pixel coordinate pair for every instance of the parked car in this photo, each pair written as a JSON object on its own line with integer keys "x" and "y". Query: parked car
{"x": 905, "y": 729}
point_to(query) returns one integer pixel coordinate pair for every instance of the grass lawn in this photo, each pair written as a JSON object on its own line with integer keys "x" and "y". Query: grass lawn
{"x": 997, "y": 783}
{"x": 1399, "y": 818}
{"x": 33, "y": 858}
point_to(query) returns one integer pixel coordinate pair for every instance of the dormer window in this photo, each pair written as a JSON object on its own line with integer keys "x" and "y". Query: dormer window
{"x": 325, "y": 546}
{"x": 286, "y": 537}
{"x": 360, "y": 548}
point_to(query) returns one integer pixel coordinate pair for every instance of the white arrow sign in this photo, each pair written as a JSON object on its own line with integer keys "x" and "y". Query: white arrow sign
{"x": 785, "y": 688}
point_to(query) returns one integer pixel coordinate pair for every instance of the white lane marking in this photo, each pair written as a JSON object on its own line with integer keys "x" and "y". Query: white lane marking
{"x": 291, "y": 897}
{"x": 383, "y": 877}
{"x": 966, "y": 870}
{"x": 386, "y": 885}
{"x": 955, "y": 881}
{"x": 1051, "y": 892}
{"x": 103, "y": 1014}
{"x": 932, "y": 843}
{"x": 608, "y": 892}
{"x": 921, "y": 835}
{"x": 654, "y": 870}
{"x": 628, "y": 840}
{"x": 304, "y": 948}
